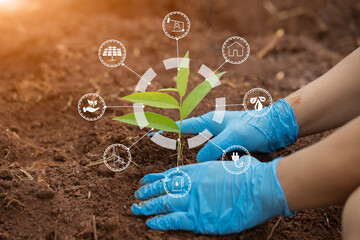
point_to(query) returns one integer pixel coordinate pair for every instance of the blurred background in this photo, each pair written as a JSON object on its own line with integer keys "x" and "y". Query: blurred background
{"x": 48, "y": 60}
{"x": 334, "y": 23}
{"x": 38, "y": 35}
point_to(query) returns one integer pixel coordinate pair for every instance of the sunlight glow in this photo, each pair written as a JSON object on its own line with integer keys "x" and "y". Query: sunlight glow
{"x": 8, "y": 4}
{"x": 4, "y": 2}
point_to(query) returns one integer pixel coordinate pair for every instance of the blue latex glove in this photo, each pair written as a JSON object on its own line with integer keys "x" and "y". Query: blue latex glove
{"x": 218, "y": 202}
{"x": 268, "y": 133}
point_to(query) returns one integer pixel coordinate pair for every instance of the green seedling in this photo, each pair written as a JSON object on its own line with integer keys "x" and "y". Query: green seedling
{"x": 163, "y": 100}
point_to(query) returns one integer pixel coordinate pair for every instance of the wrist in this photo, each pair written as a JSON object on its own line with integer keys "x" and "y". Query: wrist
{"x": 277, "y": 203}
{"x": 284, "y": 125}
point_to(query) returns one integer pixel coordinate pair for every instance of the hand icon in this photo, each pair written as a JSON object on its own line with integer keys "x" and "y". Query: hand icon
{"x": 90, "y": 109}
{"x": 235, "y": 158}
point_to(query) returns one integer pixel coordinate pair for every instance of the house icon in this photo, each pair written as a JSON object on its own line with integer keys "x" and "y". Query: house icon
{"x": 235, "y": 50}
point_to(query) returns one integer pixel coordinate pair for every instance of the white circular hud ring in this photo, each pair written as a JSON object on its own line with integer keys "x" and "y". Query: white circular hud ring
{"x": 112, "y": 48}
{"x": 84, "y": 110}
{"x": 197, "y": 140}
{"x": 256, "y": 113}
{"x": 219, "y": 114}
{"x": 178, "y": 26}
{"x": 235, "y": 50}
{"x": 177, "y": 179}
{"x": 238, "y": 168}
{"x": 111, "y": 155}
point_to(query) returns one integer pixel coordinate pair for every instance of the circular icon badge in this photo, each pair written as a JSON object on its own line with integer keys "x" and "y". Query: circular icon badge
{"x": 112, "y": 53}
{"x": 235, "y": 50}
{"x": 176, "y": 25}
{"x": 117, "y": 157}
{"x": 257, "y": 102}
{"x": 177, "y": 183}
{"x": 91, "y": 107}
{"x": 236, "y": 159}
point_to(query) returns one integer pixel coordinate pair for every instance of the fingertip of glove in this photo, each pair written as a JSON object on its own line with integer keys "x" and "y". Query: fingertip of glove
{"x": 136, "y": 195}
{"x": 199, "y": 157}
{"x": 142, "y": 182}
{"x": 150, "y": 134}
{"x": 140, "y": 193}
{"x": 135, "y": 209}
{"x": 151, "y": 223}
{"x": 202, "y": 156}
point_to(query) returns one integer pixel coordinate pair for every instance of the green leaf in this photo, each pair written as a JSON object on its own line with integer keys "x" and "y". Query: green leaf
{"x": 168, "y": 90}
{"x": 195, "y": 97}
{"x": 153, "y": 99}
{"x": 182, "y": 77}
{"x": 155, "y": 120}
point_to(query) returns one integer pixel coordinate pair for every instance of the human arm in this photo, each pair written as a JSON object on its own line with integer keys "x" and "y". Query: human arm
{"x": 325, "y": 173}
{"x": 331, "y": 100}
{"x": 326, "y": 103}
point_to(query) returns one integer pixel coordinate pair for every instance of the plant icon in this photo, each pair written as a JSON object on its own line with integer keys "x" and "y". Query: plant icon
{"x": 257, "y": 101}
{"x": 92, "y": 103}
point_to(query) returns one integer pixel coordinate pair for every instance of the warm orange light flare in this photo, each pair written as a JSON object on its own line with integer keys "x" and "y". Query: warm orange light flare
{"x": 5, "y": 2}
{"x": 8, "y": 4}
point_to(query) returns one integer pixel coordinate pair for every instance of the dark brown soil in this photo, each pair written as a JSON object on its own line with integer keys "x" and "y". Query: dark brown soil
{"x": 48, "y": 60}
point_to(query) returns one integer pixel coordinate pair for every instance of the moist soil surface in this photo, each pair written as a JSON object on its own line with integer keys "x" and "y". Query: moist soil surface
{"x": 48, "y": 60}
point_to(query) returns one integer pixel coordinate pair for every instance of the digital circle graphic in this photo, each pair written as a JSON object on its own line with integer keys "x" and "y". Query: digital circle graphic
{"x": 177, "y": 183}
{"x": 112, "y": 53}
{"x": 117, "y": 157}
{"x": 257, "y": 102}
{"x": 240, "y": 164}
{"x": 91, "y": 106}
{"x": 202, "y": 137}
{"x": 176, "y": 25}
{"x": 235, "y": 50}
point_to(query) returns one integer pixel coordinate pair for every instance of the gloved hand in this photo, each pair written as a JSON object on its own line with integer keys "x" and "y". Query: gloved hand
{"x": 267, "y": 133}
{"x": 218, "y": 202}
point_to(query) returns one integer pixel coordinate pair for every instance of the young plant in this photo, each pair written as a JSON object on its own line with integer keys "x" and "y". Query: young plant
{"x": 162, "y": 100}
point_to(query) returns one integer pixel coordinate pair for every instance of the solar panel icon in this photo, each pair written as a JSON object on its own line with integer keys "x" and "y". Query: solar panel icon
{"x": 112, "y": 52}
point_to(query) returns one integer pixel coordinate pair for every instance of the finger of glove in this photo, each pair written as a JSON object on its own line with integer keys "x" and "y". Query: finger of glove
{"x": 214, "y": 148}
{"x": 151, "y": 190}
{"x": 193, "y": 125}
{"x": 159, "y": 205}
{"x": 150, "y": 134}
{"x": 151, "y": 177}
{"x": 171, "y": 221}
